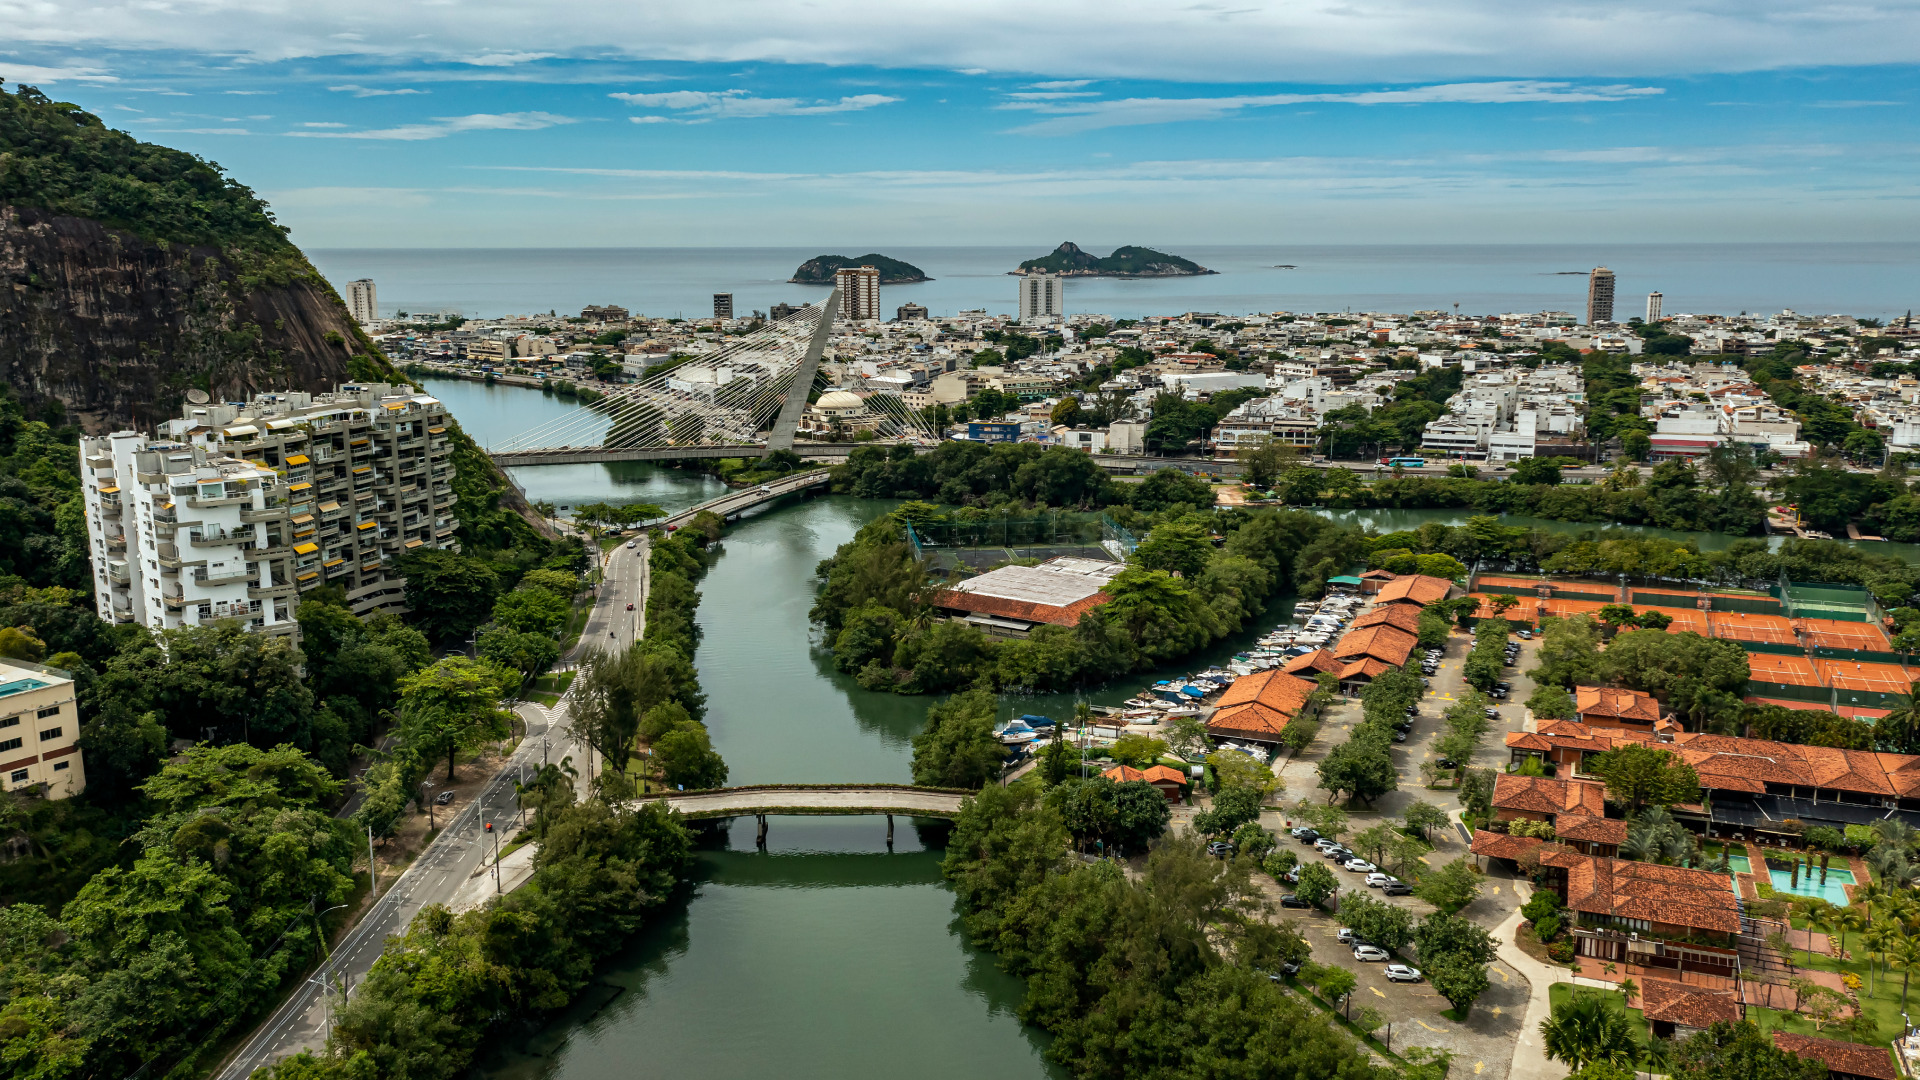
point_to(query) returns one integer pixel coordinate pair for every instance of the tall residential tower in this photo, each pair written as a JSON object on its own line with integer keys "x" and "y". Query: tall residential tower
{"x": 362, "y": 303}
{"x": 1599, "y": 296}
{"x": 1653, "y": 307}
{"x": 1042, "y": 299}
{"x": 859, "y": 293}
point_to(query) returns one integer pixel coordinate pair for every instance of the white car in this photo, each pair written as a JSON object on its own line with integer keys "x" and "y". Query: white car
{"x": 1378, "y": 880}
{"x": 630, "y": 543}
{"x": 1360, "y": 866}
{"x": 1346, "y": 936}
{"x": 1326, "y": 843}
{"x": 1369, "y": 954}
{"x": 1402, "y": 973}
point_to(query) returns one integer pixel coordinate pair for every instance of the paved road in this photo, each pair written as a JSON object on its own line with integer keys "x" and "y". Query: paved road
{"x": 883, "y": 800}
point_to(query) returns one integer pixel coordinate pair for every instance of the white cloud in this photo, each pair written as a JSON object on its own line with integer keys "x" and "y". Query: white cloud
{"x": 651, "y": 119}
{"x": 1853, "y": 104}
{"x": 1077, "y": 116}
{"x": 249, "y": 93}
{"x": 368, "y": 91}
{"x": 35, "y": 75}
{"x": 443, "y": 126}
{"x": 511, "y": 59}
{"x": 323, "y": 124}
{"x": 734, "y": 104}
{"x": 1060, "y": 84}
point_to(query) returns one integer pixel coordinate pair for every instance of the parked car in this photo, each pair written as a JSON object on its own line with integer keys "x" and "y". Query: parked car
{"x": 1398, "y": 888}
{"x": 1492, "y": 713}
{"x": 1503, "y": 685}
{"x": 1413, "y": 710}
{"x": 1399, "y": 734}
{"x": 1497, "y": 694}
{"x": 1369, "y": 954}
{"x": 1220, "y": 849}
{"x": 1380, "y": 879}
{"x": 1305, "y": 835}
{"x": 1293, "y": 901}
{"x": 1402, "y": 973}
{"x": 1403, "y": 725}
{"x": 443, "y": 798}
{"x": 1339, "y": 855}
{"x": 1290, "y": 968}
{"x": 1325, "y": 842}
{"x": 1524, "y": 635}
{"x": 1449, "y": 763}
{"x": 1359, "y": 866}
{"x": 1346, "y": 936}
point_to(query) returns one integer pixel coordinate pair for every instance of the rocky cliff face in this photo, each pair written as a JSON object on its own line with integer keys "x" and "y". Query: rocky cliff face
{"x": 118, "y": 329}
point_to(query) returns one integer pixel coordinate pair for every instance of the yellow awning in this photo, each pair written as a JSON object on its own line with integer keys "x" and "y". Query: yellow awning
{"x": 297, "y": 459}
{"x": 396, "y": 406}
{"x": 365, "y": 525}
{"x": 302, "y": 519}
{"x": 358, "y": 469}
{"x": 301, "y": 486}
{"x": 436, "y": 431}
{"x": 415, "y": 543}
{"x": 306, "y": 549}
{"x": 309, "y": 575}
{"x": 335, "y": 563}
{"x": 329, "y": 507}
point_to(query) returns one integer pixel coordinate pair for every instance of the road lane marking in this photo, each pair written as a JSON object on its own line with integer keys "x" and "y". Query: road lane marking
{"x": 1428, "y": 1026}
{"x": 1376, "y": 991}
{"x": 1477, "y": 1066}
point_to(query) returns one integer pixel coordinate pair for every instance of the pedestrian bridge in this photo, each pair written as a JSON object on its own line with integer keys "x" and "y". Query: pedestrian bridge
{"x": 734, "y": 503}
{"x": 800, "y": 800}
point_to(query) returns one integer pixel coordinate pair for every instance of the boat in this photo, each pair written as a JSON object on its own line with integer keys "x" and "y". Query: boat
{"x": 1015, "y": 733}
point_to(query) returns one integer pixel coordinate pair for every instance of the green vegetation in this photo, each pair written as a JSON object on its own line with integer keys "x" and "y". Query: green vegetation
{"x": 435, "y": 995}
{"x": 1180, "y": 592}
{"x": 1701, "y": 680}
{"x": 1126, "y": 261}
{"x": 1163, "y": 975}
{"x": 819, "y": 269}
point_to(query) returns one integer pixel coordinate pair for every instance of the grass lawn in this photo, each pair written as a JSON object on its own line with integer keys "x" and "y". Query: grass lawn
{"x": 1879, "y": 997}
{"x": 547, "y": 688}
{"x": 1560, "y": 994}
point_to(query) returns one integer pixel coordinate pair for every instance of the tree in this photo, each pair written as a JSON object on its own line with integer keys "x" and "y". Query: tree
{"x": 1137, "y": 750}
{"x": 1535, "y": 470}
{"x": 452, "y": 706}
{"x": 1269, "y": 461}
{"x": 1740, "y": 1051}
{"x": 1639, "y": 775}
{"x": 1459, "y": 980}
{"x": 1442, "y": 934}
{"x": 1176, "y": 548}
{"x": 687, "y": 759}
{"x": 957, "y": 748}
{"x": 1233, "y": 769}
{"x": 1420, "y": 818}
{"x": 1550, "y": 702}
{"x": 1233, "y": 806}
{"x": 1584, "y": 1030}
{"x": 1126, "y": 815}
{"x": 1386, "y": 925}
{"x": 1334, "y": 983}
{"x": 1362, "y": 767}
{"x": 449, "y": 593}
{"x": 1451, "y": 887}
{"x": 1316, "y": 883}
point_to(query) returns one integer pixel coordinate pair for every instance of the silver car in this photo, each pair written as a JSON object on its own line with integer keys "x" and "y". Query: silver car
{"x": 1370, "y": 954}
{"x": 1402, "y": 973}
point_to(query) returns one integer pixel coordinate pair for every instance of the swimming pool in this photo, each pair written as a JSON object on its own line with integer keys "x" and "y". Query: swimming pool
{"x": 1739, "y": 864}
{"x": 1833, "y": 891}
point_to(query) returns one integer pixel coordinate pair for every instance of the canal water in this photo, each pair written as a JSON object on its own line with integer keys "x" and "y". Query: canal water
{"x": 827, "y": 955}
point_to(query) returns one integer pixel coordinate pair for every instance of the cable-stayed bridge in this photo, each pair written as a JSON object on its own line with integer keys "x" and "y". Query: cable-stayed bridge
{"x": 743, "y": 400}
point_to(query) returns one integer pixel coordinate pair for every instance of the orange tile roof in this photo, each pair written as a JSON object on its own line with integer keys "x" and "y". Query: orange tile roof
{"x": 1024, "y": 610}
{"x": 1549, "y": 795}
{"x": 1503, "y": 846}
{"x": 1163, "y": 773}
{"x": 1669, "y": 895}
{"x": 1259, "y": 705}
{"x": 1610, "y": 702}
{"x": 1400, "y": 615}
{"x": 1680, "y": 1003}
{"x": 1852, "y": 1059}
{"x": 1121, "y": 774}
{"x": 1308, "y": 665}
{"x": 1365, "y": 667}
{"x": 1415, "y": 588}
{"x": 1388, "y": 643}
{"x": 1592, "y": 830}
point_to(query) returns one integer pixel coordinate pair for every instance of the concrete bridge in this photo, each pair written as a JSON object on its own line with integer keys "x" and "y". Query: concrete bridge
{"x": 814, "y": 800}
{"x": 734, "y": 503}
{"x": 588, "y": 455}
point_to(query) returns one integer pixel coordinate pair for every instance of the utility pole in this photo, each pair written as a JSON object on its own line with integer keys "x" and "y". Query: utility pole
{"x": 373, "y": 868}
{"x": 496, "y": 856}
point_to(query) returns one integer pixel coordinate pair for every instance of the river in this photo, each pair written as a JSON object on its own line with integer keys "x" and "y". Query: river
{"x": 826, "y": 955}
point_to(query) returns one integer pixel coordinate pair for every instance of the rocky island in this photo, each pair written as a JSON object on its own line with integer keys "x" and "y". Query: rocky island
{"x": 819, "y": 270}
{"x": 1127, "y": 261}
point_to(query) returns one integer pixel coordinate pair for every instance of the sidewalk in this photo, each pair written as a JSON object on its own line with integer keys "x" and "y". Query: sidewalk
{"x": 1529, "y": 1054}
{"x": 515, "y": 869}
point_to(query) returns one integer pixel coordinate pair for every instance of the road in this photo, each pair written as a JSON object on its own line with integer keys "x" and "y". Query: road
{"x": 883, "y": 799}
{"x": 457, "y": 853}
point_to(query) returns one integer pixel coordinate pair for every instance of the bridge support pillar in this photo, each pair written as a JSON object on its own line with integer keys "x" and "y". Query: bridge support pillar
{"x": 889, "y": 831}
{"x": 760, "y": 841}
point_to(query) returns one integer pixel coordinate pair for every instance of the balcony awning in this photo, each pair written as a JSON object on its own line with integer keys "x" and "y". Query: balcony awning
{"x": 365, "y": 525}
{"x": 411, "y": 544}
{"x": 302, "y": 519}
{"x": 301, "y": 486}
{"x": 306, "y": 549}
{"x": 329, "y": 507}
{"x": 297, "y": 459}
{"x": 110, "y": 490}
{"x": 243, "y": 429}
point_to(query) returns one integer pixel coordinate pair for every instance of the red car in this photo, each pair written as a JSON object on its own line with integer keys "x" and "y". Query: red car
{"x": 629, "y": 607}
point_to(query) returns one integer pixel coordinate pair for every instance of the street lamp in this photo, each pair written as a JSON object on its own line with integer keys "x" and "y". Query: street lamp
{"x": 428, "y": 799}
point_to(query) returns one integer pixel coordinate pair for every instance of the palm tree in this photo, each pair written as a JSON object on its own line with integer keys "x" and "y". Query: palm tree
{"x": 1877, "y": 939}
{"x": 1631, "y": 989}
{"x": 1848, "y": 918}
{"x": 1812, "y": 911}
{"x": 1904, "y": 955}
{"x": 1584, "y": 1031}
{"x": 1873, "y": 892}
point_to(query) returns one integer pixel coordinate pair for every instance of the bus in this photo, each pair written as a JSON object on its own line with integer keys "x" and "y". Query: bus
{"x": 1406, "y": 462}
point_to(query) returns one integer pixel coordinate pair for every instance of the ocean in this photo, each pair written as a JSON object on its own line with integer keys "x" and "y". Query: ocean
{"x": 1877, "y": 280}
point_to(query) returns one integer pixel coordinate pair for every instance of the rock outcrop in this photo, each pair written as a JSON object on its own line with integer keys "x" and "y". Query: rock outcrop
{"x": 118, "y": 328}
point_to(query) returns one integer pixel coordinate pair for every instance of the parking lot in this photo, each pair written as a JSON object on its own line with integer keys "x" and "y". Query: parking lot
{"x": 1484, "y": 1044}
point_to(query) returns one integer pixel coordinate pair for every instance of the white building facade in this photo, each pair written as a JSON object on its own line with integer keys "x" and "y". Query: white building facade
{"x": 859, "y": 293}
{"x": 1042, "y": 299}
{"x": 362, "y": 301}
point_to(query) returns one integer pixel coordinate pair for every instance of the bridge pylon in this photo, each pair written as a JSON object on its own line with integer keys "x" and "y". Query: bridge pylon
{"x": 788, "y": 422}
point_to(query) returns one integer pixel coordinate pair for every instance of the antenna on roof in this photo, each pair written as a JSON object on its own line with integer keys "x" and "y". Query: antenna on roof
{"x": 198, "y": 396}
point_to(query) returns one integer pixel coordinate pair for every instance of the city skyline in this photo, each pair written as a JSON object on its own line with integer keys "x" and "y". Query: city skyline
{"x": 404, "y": 128}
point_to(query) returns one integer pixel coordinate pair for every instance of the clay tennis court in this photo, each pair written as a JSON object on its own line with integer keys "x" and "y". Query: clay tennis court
{"x": 1876, "y": 678}
{"x": 1741, "y": 626}
{"x": 1684, "y": 620}
{"x": 1835, "y": 634}
{"x": 1662, "y": 599}
{"x": 1527, "y": 610}
{"x": 1787, "y": 670}
{"x": 1497, "y": 581}
{"x": 1560, "y": 609}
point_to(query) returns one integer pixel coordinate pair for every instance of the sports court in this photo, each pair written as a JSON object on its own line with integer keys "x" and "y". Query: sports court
{"x": 1783, "y": 669}
{"x": 1860, "y": 675}
{"x": 1684, "y": 620}
{"x": 1744, "y": 626}
{"x": 1835, "y": 634}
{"x": 1526, "y": 611}
{"x": 1561, "y": 609}
{"x": 1498, "y": 581}
{"x": 1663, "y": 599}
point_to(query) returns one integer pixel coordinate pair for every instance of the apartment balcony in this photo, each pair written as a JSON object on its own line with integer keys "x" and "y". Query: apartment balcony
{"x": 337, "y": 568}
{"x": 117, "y": 570}
{"x": 170, "y": 556}
{"x": 225, "y": 576}
{"x": 268, "y": 513}
{"x": 209, "y": 538}
{"x": 172, "y": 597}
{"x": 116, "y": 541}
{"x": 199, "y": 503}
{"x": 274, "y": 592}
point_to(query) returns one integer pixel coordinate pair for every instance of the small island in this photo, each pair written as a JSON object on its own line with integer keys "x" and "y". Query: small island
{"x": 819, "y": 270}
{"x": 1127, "y": 261}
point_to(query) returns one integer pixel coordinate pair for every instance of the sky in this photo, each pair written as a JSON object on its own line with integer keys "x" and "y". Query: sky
{"x": 517, "y": 123}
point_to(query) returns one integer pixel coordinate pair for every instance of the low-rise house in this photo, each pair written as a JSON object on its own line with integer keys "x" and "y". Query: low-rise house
{"x": 1609, "y": 706}
{"x": 1844, "y": 1060}
{"x": 1168, "y": 780}
{"x": 1011, "y": 601}
{"x": 1679, "y": 1010}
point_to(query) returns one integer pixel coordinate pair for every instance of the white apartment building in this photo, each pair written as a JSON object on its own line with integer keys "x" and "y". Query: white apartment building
{"x": 1042, "y": 299}
{"x": 39, "y": 730}
{"x": 362, "y": 302}
{"x": 1654, "y": 301}
{"x": 859, "y": 293}
{"x": 234, "y": 509}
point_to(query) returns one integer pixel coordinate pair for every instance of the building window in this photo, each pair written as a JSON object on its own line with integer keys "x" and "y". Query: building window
{"x": 50, "y": 733}
{"x": 10, "y": 744}
{"x": 19, "y": 776}
{"x": 44, "y": 713}
{"x": 10, "y": 721}
{"x": 58, "y": 765}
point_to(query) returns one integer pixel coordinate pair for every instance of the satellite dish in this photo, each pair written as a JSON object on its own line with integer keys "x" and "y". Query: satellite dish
{"x": 198, "y": 396}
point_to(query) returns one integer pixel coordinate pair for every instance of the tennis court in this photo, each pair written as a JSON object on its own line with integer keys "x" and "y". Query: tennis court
{"x": 1661, "y": 598}
{"x": 1498, "y": 581}
{"x": 1685, "y": 620}
{"x": 1834, "y": 634}
{"x": 1527, "y": 610}
{"x": 1781, "y": 669}
{"x": 1741, "y": 626}
{"x": 1859, "y": 675}
{"x": 1560, "y": 609}
{"x": 1785, "y": 703}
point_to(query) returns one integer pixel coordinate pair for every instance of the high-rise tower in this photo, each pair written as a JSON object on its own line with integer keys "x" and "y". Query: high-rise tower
{"x": 362, "y": 304}
{"x": 859, "y": 293}
{"x": 1042, "y": 299}
{"x": 1653, "y": 307}
{"x": 1599, "y": 296}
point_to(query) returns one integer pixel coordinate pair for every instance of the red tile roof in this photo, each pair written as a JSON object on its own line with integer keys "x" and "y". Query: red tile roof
{"x": 1590, "y": 830}
{"x": 1259, "y": 705}
{"x": 1308, "y": 665}
{"x": 1365, "y": 668}
{"x": 1682, "y": 1003}
{"x": 1025, "y": 610}
{"x": 1852, "y": 1059}
{"x": 1606, "y": 702}
{"x": 1495, "y": 845}
{"x": 1669, "y": 895}
{"x": 1387, "y": 643}
{"x": 1156, "y": 774}
{"x": 1548, "y": 795}
{"x": 1415, "y": 588}
{"x": 1400, "y": 615}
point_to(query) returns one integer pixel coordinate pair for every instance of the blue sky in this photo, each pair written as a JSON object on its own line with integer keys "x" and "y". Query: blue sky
{"x": 460, "y": 124}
